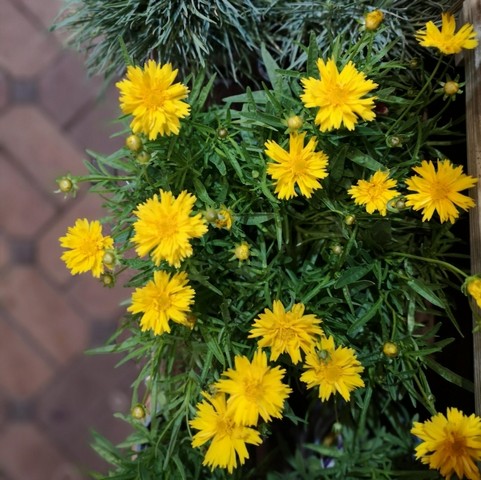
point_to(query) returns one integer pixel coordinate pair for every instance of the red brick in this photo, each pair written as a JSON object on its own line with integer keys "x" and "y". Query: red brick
{"x": 4, "y": 251}
{"x": 94, "y": 130}
{"x": 48, "y": 247}
{"x": 44, "y": 313}
{"x": 65, "y": 88}
{"x": 46, "y": 11}
{"x": 38, "y": 48}
{"x": 22, "y": 370}
{"x": 3, "y": 90}
{"x": 99, "y": 302}
{"x": 23, "y": 210}
{"x": 85, "y": 398}
{"x": 28, "y": 454}
{"x": 39, "y": 146}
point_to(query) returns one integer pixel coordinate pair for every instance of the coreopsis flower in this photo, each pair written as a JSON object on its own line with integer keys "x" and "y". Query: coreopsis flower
{"x": 301, "y": 166}
{"x": 446, "y": 40}
{"x": 86, "y": 247}
{"x": 450, "y": 443}
{"x": 255, "y": 389}
{"x": 215, "y": 422}
{"x": 165, "y": 227}
{"x": 438, "y": 190}
{"x": 164, "y": 298}
{"x": 374, "y": 193}
{"x": 282, "y": 331}
{"x": 373, "y": 19}
{"x": 339, "y": 96}
{"x": 332, "y": 370}
{"x": 151, "y": 97}
{"x": 473, "y": 287}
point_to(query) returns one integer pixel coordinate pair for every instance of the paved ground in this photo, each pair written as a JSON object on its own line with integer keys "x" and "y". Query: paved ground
{"x": 51, "y": 393}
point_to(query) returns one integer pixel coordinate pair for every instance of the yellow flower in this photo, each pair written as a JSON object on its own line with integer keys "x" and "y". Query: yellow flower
{"x": 373, "y": 19}
{"x": 150, "y": 96}
{"x": 473, "y": 286}
{"x": 164, "y": 298}
{"x": 224, "y": 218}
{"x": 339, "y": 96}
{"x": 439, "y": 190}
{"x": 86, "y": 246}
{"x": 215, "y": 422}
{"x": 284, "y": 331}
{"x": 333, "y": 370}
{"x": 165, "y": 227}
{"x": 450, "y": 444}
{"x": 445, "y": 40}
{"x": 301, "y": 165}
{"x": 375, "y": 193}
{"x": 255, "y": 389}
{"x": 242, "y": 251}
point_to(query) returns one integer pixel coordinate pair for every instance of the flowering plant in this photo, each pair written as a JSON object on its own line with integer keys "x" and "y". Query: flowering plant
{"x": 289, "y": 250}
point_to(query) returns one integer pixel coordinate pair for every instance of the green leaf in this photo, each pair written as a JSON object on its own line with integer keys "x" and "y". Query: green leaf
{"x": 352, "y": 275}
{"x": 449, "y": 375}
{"x": 364, "y": 160}
{"x": 426, "y": 292}
{"x": 357, "y": 326}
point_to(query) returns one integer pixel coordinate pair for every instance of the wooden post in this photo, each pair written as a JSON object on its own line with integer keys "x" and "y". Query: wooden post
{"x": 472, "y": 64}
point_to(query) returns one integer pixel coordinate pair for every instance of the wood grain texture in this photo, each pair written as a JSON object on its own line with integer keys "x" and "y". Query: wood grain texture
{"x": 472, "y": 63}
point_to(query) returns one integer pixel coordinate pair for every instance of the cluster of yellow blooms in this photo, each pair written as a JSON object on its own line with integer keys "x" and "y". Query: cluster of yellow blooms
{"x": 256, "y": 390}
{"x": 165, "y": 225}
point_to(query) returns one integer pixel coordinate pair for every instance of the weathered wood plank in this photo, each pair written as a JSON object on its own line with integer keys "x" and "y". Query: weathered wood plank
{"x": 472, "y": 64}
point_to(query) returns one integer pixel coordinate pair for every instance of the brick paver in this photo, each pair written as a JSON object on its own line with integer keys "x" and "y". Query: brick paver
{"x": 51, "y": 393}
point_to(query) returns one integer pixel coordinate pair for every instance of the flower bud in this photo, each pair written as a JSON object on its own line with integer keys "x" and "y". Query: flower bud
{"x": 337, "y": 249}
{"x": 210, "y": 215}
{"x": 133, "y": 143}
{"x": 451, "y": 88}
{"x": 143, "y": 158}
{"x": 373, "y": 19}
{"x": 224, "y": 218}
{"x": 67, "y": 185}
{"x": 394, "y": 141}
{"x": 107, "y": 279}
{"x": 349, "y": 219}
{"x": 222, "y": 132}
{"x": 138, "y": 412}
{"x": 242, "y": 251}
{"x": 294, "y": 123}
{"x": 109, "y": 259}
{"x": 390, "y": 349}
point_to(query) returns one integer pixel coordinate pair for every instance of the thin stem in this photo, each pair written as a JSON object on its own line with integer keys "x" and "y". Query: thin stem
{"x": 418, "y": 96}
{"x": 433, "y": 260}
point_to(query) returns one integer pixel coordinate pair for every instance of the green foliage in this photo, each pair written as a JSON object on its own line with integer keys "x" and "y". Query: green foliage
{"x": 388, "y": 271}
{"x": 226, "y": 36}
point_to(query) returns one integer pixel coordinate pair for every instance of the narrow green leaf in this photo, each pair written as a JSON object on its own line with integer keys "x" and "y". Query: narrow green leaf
{"x": 426, "y": 292}
{"x": 352, "y": 275}
{"x": 449, "y": 375}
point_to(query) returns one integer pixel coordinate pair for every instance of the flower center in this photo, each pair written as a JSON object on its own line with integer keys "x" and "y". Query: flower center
{"x": 167, "y": 227}
{"x": 162, "y": 302}
{"x": 438, "y": 190}
{"x": 154, "y": 98}
{"x": 225, "y": 426}
{"x": 91, "y": 246}
{"x": 332, "y": 373}
{"x": 298, "y": 165}
{"x": 252, "y": 389}
{"x": 338, "y": 95}
{"x": 457, "y": 443}
{"x": 376, "y": 191}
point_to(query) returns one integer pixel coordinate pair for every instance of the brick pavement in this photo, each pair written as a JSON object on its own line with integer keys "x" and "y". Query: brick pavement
{"x": 51, "y": 393}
